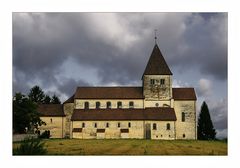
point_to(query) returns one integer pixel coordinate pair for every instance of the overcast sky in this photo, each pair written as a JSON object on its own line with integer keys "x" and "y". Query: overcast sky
{"x": 60, "y": 51}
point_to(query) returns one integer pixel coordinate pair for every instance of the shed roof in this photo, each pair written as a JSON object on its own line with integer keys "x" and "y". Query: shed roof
{"x": 184, "y": 94}
{"x": 54, "y": 110}
{"x": 109, "y": 93}
{"x": 160, "y": 113}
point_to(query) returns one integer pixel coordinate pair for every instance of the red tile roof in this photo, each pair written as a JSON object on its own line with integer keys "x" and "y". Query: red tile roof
{"x": 156, "y": 64}
{"x": 54, "y": 110}
{"x": 109, "y": 93}
{"x": 70, "y": 100}
{"x": 184, "y": 94}
{"x": 161, "y": 113}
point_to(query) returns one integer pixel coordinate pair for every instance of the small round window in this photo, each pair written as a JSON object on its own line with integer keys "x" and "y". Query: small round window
{"x": 157, "y": 104}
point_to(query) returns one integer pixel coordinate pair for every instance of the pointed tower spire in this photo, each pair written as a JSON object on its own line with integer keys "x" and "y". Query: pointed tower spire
{"x": 156, "y": 64}
{"x": 155, "y": 36}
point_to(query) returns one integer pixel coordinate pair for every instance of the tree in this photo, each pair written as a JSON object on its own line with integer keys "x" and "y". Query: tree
{"x": 25, "y": 115}
{"x": 205, "y": 128}
{"x": 55, "y": 100}
{"x": 36, "y": 94}
{"x": 47, "y": 99}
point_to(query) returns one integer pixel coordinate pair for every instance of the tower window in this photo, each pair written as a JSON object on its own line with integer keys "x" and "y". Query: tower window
{"x": 98, "y": 105}
{"x": 51, "y": 120}
{"x": 86, "y": 105}
{"x": 119, "y": 105}
{"x": 162, "y": 81}
{"x": 184, "y": 135}
{"x": 152, "y": 81}
{"x": 83, "y": 125}
{"x": 107, "y": 125}
{"x": 129, "y": 124}
{"x": 131, "y": 104}
{"x": 168, "y": 126}
{"x": 119, "y": 125}
{"x": 154, "y": 126}
{"x": 95, "y": 125}
{"x": 108, "y": 105}
{"x": 183, "y": 117}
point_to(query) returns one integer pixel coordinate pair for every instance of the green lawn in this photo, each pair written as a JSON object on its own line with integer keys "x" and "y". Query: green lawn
{"x": 133, "y": 147}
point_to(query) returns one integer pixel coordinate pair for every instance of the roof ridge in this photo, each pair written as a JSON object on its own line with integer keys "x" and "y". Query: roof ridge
{"x": 109, "y": 87}
{"x": 183, "y": 88}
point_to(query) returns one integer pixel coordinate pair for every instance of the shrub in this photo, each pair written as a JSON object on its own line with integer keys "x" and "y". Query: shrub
{"x": 45, "y": 135}
{"x": 30, "y": 146}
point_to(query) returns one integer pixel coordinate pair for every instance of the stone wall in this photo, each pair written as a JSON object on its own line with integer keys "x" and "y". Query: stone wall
{"x": 188, "y": 127}
{"x": 136, "y": 130}
{"x": 157, "y": 103}
{"x": 55, "y": 125}
{"x": 68, "y": 111}
{"x": 79, "y": 103}
{"x": 157, "y": 91}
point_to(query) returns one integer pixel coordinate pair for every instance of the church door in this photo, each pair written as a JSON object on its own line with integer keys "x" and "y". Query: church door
{"x": 148, "y": 131}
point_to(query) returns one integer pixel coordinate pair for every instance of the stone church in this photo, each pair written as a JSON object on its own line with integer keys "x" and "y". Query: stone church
{"x": 155, "y": 110}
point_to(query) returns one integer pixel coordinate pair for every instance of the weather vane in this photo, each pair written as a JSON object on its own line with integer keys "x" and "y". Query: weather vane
{"x": 155, "y": 36}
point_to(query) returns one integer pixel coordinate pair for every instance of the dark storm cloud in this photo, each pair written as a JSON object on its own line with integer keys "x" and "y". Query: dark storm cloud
{"x": 69, "y": 87}
{"x": 117, "y": 45}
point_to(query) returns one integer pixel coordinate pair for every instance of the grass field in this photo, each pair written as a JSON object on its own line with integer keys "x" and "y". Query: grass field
{"x": 133, "y": 147}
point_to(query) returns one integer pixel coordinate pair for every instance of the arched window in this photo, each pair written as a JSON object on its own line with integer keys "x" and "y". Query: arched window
{"x": 51, "y": 120}
{"x": 107, "y": 125}
{"x": 168, "y": 126}
{"x": 184, "y": 135}
{"x": 129, "y": 124}
{"x": 98, "y": 105}
{"x": 154, "y": 126}
{"x": 119, "y": 105}
{"x": 83, "y": 125}
{"x": 119, "y": 125}
{"x": 131, "y": 104}
{"x": 86, "y": 105}
{"x": 108, "y": 105}
{"x": 95, "y": 125}
{"x": 183, "y": 117}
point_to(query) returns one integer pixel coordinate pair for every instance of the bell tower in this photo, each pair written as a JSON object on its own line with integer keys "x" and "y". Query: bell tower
{"x": 157, "y": 78}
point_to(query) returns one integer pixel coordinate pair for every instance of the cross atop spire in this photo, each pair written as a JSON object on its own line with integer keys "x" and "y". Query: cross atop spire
{"x": 155, "y": 30}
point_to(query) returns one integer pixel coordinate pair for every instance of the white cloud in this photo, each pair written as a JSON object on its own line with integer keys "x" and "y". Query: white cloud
{"x": 204, "y": 87}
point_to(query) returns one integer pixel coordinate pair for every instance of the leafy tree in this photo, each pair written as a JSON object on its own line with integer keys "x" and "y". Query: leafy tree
{"x": 47, "y": 99}
{"x": 55, "y": 100}
{"x": 30, "y": 146}
{"x": 205, "y": 128}
{"x": 36, "y": 95}
{"x": 25, "y": 114}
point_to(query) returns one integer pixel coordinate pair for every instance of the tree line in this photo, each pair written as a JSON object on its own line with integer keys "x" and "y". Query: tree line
{"x": 25, "y": 115}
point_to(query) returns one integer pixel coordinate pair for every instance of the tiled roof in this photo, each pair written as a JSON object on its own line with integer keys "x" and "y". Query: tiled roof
{"x": 54, "y": 110}
{"x": 70, "y": 100}
{"x": 161, "y": 113}
{"x": 156, "y": 64}
{"x": 108, "y": 93}
{"x": 184, "y": 94}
